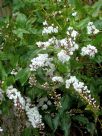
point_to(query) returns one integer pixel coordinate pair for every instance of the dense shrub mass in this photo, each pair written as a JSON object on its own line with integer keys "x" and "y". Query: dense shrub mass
{"x": 51, "y": 68}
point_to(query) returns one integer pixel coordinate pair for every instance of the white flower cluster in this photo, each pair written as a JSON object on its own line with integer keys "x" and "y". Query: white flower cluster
{"x": 41, "y": 61}
{"x": 43, "y": 103}
{"x": 89, "y": 50}
{"x": 57, "y": 79}
{"x": 78, "y": 86}
{"x": 1, "y": 130}
{"x": 32, "y": 112}
{"x": 72, "y": 33}
{"x": 91, "y": 29}
{"x": 81, "y": 88}
{"x": 46, "y": 44}
{"x": 33, "y": 115}
{"x": 49, "y": 29}
{"x": 63, "y": 56}
{"x": 15, "y": 95}
{"x": 68, "y": 44}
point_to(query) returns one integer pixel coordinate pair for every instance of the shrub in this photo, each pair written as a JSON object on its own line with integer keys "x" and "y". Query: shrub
{"x": 50, "y": 68}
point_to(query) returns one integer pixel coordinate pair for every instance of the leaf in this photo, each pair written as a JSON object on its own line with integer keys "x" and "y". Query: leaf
{"x": 81, "y": 119}
{"x": 23, "y": 75}
{"x": 19, "y": 32}
{"x": 63, "y": 68}
{"x": 65, "y": 102}
{"x": 49, "y": 121}
{"x": 35, "y": 92}
{"x": 3, "y": 56}
{"x": 96, "y": 8}
{"x": 97, "y": 40}
{"x": 98, "y": 24}
{"x": 82, "y": 24}
{"x": 26, "y": 132}
{"x": 30, "y": 131}
{"x": 3, "y": 73}
{"x": 56, "y": 121}
{"x": 91, "y": 128}
{"x": 21, "y": 20}
{"x": 65, "y": 124}
{"x": 14, "y": 60}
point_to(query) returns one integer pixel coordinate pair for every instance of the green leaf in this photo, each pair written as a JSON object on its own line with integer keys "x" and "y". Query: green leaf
{"x": 49, "y": 121}
{"x": 66, "y": 103}
{"x": 91, "y": 128}
{"x": 23, "y": 75}
{"x": 56, "y": 121}
{"x": 63, "y": 68}
{"x": 21, "y": 20}
{"x": 30, "y": 131}
{"x": 19, "y": 32}
{"x": 65, "y": 124}
{"x": 81, "y": 119}
{"x": 35, "y": 92}
{"x": 3, "y": 73}
{"x": 3, "y": 56}
{"x": 83, "y": 23}
{"x": 97, "y": 8}
{"x": 26, "y": 132}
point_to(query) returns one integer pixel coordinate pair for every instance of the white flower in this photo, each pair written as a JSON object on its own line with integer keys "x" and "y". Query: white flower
{"x": 50, "y": 29}
{"x": 91, "y": 29}
{"x": 14, "y": 72}
{"x": 74, "y": 34}
{"x": 78, "y": 86}
{"x": 33, "y": 116}
{"x": 1, "y": 130}
{"x": 57, "y": 79}
{"x": 46, "y": 44}
{"x": 41, "y": 61}
{"x": 67, "y": 84}
{"x": 14, "y": 94}
{"x": 72, "y": 79}
{"x": 71, "y": 32}
{"x": 45, "y": 23}
{"x": 89, "y": 50}
{"x": 81, "y": 88}
{"x": 32, "y": 112}
{"x": 74, "y": 14}
{"x": 62, "y": 56}
{"x": 63, "y": 42}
